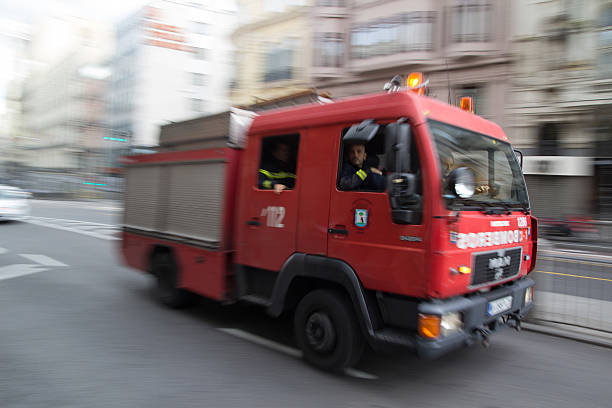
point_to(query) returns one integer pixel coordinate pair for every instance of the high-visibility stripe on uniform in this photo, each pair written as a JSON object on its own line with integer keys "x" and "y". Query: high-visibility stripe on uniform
{"x": 361, "y": 174}
{"x": 267, "y": 184}
{"x": 278, "y": 175}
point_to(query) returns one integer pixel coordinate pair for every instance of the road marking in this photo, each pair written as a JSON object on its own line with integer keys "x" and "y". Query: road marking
{"x": 36, "y": 221}
{"x": 574, "y": 276}
{"x": 360, "y": 374}
{"x": 17, "y": 270}
{"x": 290, "y": 351}
{"x": 75, "y": 221}
{"x": 43, "y": 260}
{"x": 550, "y": 258}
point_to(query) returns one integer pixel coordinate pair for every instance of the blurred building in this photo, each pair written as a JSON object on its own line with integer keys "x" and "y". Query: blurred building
{"x": 540, "y": 69}
{"x": 349, "y": 47}
{"x": 63, "y": 100}
{"x": 274, "y": 50}
{"x": 173, "y": 62}
{"x": 14, "y": 40}
{"x": 561, "y": 104}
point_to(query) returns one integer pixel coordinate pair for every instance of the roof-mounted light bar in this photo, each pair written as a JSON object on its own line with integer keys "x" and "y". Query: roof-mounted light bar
{"x": 414, "y": 82}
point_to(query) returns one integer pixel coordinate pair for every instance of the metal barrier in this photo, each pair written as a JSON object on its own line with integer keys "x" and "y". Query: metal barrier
{"x": 573, "y": 289}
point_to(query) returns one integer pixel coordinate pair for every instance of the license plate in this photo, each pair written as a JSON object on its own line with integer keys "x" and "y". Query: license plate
{"x": 499, "y": 305}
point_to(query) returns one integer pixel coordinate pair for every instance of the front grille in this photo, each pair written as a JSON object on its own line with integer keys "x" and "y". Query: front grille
{"x": 496, "y": 265}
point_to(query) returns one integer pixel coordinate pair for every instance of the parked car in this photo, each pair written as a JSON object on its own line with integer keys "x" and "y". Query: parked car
{"x": 13, "y": 203}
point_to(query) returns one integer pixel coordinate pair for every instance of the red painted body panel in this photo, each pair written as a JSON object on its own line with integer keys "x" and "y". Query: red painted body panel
{"x": 202, "y": 271}
{"x": 184, "y": 155}
{"x": 448, "y": 255}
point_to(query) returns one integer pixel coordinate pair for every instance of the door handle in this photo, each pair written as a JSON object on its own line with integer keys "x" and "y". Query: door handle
{"x": 253, "y": 223}
{"x": 340, "y": 231}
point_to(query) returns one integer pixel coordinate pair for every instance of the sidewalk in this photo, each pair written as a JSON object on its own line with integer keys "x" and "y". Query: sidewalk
{"x": 565, "y": 331}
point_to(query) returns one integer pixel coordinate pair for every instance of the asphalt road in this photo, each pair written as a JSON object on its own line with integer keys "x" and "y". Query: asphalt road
{"x": 80, "y": 330}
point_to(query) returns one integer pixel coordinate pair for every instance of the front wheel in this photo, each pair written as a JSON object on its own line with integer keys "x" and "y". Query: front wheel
{"x": 327, "y": 331}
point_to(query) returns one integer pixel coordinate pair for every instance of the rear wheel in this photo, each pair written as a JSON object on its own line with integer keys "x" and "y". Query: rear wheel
{"x": 327, "y": 331}
{"x": 166, "y": 275}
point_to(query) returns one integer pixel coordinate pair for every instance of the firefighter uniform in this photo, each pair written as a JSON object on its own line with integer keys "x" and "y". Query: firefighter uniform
{"x": 276, "y": 172}
{"x": 354, "y": 178}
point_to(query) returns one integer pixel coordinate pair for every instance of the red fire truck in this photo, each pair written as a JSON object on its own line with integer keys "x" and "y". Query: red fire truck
{"x": 432, "y": 259}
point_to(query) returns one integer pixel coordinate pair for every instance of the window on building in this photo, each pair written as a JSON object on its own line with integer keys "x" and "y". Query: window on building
{"x": 471, "y": 21}
{"x": 278, "y": 162}
{"x": 402, "y": 33}
{"x": 605, "y": 42}
{"x": 197, "y": 105}
{"x": 279, "y": 62}
{"x": 329, "y": 49}
{"x": 331, "y": 3}
{"x": 198, "y": 79}
{"x": 548, "y": 140}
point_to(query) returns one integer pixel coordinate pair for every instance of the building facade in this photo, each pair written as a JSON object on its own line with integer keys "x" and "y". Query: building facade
{"x": 539, "y": 68}
{"x": 274, "y": 45}
{"x": 63, "y": 102}
{"x": 349, "y": 47}
{"x": 561, "y": 105}
{"x": 462, "y": 47}
{"x": 14, "y": 40}
{"x": 173, "y": 62}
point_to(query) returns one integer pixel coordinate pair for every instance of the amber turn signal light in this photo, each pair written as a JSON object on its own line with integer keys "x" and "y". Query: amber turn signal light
{"x": 429, "y": 326}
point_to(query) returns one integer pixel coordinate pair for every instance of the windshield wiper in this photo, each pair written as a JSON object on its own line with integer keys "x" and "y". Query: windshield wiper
{"x": 469, "y": 204}
{"x": 487, "y": 207}
{"x": 516, "y": 205}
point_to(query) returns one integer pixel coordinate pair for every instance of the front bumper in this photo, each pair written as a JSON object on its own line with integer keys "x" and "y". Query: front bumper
{"x": 476, "y": 322}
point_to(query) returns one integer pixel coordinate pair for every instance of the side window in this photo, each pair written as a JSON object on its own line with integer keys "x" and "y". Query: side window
{"x": 362, "y": 164}
{"x": 364, "y": 167}
{"x": 278, "y": 163}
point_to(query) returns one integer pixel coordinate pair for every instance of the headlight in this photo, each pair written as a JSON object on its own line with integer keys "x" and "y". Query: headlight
{"x": 432, "y": 326}
{"x": 528, "y": 295}
{"x": 451, "y": 322}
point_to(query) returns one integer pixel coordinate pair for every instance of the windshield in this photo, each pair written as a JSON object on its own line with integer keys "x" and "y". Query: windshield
{"x": 499, "y": 180}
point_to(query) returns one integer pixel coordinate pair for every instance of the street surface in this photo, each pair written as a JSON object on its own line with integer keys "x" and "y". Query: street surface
{"x": 80, "y": 330}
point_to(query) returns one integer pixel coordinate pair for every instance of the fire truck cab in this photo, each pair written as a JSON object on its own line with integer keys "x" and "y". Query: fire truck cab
{"x": 428, "y": 248}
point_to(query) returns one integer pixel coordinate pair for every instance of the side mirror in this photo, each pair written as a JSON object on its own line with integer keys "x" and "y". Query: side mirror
{"x": 520, "y": 154}
{"x": 397, "y": 147}
{"x": 405, "y": 203}
{"x": 462, "y": 182}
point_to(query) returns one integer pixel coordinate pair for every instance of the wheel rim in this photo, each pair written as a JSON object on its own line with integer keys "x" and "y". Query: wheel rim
{"x": 320, "y": 332}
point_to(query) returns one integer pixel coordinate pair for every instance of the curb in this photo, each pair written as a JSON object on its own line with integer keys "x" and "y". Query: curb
{"x": 594, "y": 337}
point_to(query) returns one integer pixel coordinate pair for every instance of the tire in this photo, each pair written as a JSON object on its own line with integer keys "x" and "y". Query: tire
{"x": 166, "y": 276}
{"x": 327, "y": 330}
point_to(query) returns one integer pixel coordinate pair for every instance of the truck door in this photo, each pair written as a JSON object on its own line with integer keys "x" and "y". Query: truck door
{"x": 386, "y": 255}
{"x": 268, "y": 207}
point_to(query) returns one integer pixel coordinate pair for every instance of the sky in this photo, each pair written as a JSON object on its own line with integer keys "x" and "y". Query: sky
{"x": 109, "y": 11}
